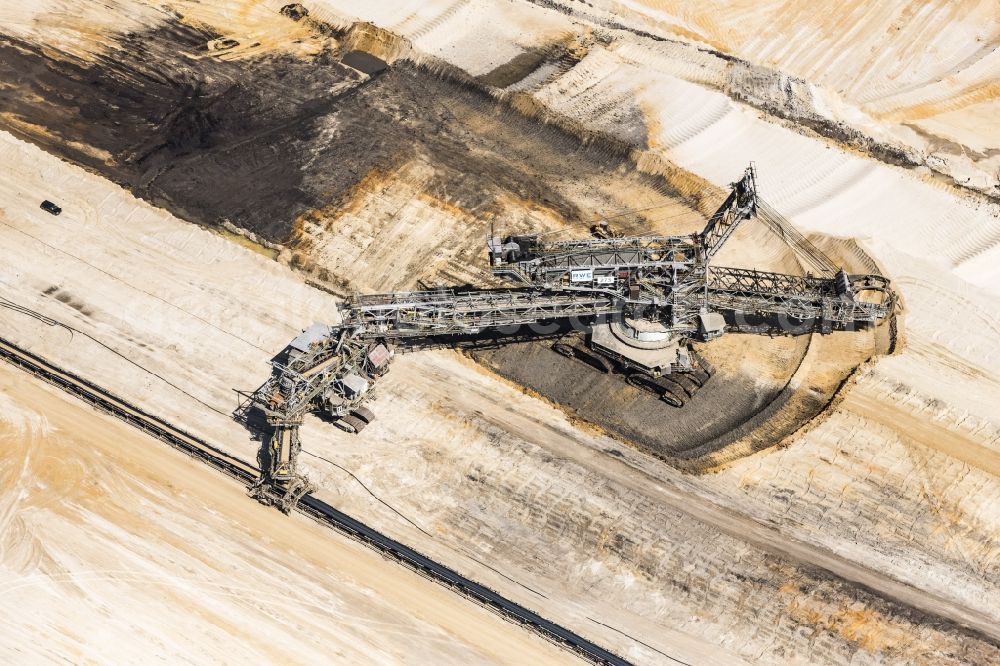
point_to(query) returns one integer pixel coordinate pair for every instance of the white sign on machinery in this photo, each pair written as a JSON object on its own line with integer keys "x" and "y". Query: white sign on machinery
{"x": 584, "y": 275}
{"x": 605, "y": 279}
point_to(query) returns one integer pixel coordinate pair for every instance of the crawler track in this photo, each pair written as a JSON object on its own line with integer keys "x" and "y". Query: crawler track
{"x": 311, "y": 506}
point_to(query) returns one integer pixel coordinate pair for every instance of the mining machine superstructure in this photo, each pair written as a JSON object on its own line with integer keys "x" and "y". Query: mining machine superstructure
{"x": 631, "y": 305}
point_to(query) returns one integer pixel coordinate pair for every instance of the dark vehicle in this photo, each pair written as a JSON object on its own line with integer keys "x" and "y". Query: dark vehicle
{"x": 50, "y": 207}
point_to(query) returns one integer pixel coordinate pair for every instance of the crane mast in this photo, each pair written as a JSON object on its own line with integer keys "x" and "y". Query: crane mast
{"x": 639, "y": 300}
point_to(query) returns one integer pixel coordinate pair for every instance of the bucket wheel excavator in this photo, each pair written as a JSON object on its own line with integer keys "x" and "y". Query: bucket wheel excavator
{"x": 638, "y": 301}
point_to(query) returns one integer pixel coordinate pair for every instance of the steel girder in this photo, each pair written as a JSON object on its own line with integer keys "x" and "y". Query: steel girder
{"x": 750, "y": 291}
{"x": 608, "y": 256}
{"x": 740, "y": 205}
{"x": 399, "y": 315}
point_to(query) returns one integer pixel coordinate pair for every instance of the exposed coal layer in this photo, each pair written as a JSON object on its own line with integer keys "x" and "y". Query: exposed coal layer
{"x": 261, "y": 140}
{"x": 206, "y": 138}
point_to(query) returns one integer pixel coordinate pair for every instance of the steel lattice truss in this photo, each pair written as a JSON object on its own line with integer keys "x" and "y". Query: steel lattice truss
{"x": 606, "y": 257}
{"x": 758, "y": 292}
{"x": 424, "y": 313}
{"x": 741, "y": 204}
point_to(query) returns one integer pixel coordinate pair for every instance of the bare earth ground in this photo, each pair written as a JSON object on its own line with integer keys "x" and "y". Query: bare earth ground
{"x": 861, "y": 537}
{"x": 442, "y": 479}
{"x": 117, "y": 549}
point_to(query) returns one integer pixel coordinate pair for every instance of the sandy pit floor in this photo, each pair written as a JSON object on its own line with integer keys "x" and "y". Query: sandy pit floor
{"x": 115, "y": 548}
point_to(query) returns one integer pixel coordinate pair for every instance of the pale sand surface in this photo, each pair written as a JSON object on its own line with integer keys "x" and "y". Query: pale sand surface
{"x": 117, "y": 549}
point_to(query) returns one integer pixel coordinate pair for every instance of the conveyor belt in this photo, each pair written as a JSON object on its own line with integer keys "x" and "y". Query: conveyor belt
{"x": 311, "y": 506}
